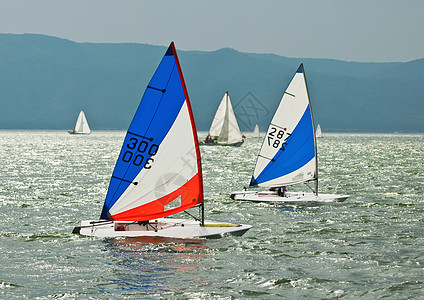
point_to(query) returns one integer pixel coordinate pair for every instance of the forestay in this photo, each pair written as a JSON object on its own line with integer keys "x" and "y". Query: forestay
{"x": 288, "y": 153}
{"x": 158, "y": 171}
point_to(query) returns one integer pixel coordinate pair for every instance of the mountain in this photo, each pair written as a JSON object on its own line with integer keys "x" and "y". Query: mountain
{"x": 45, "y": 81}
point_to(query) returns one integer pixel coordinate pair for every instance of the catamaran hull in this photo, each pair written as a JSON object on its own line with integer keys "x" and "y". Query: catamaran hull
{"x": 293, "y": 198}
{"x": 168, "y": 228}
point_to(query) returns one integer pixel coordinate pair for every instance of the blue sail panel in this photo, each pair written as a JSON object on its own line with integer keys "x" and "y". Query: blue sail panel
{"x": 158, "y": 109}
{"x": 299, "y": 149}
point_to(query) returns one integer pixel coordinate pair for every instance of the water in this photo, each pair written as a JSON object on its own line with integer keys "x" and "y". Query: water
{"x": 369, "y": 247}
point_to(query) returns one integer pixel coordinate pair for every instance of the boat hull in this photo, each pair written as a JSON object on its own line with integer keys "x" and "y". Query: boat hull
{"x": 165, "y": 227}
{"x": 236, "y": 144}
{"x": 293, "y": 198}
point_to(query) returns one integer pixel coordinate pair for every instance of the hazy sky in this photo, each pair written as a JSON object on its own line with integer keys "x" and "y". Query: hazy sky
{"x": 351, "y": 30}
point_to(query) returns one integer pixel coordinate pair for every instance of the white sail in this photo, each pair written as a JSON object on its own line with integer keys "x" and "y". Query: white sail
{"x": 256, "y": 133}
{"x": 230, "y": 131}
{"x": 224, "y": 128}
{"x": 318, "y": 132}
{"x": 218, "y": 120}
{"x": 82, "y": 125}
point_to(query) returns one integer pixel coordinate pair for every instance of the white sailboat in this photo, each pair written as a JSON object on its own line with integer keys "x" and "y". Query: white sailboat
{"x": 318, "y": 132}
{"x": 158, "y": 172}
{"x": 224, "y": 129}
{"x": 81, "y": 126}
{"x": 256, "y": 133}
{"x": 288, "y": 155}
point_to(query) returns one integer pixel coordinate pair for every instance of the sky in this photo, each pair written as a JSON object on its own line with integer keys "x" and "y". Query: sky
{"x": 349, "y": 30}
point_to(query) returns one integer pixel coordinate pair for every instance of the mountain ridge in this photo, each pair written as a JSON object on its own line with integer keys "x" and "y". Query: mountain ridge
{"x": 45, "y": 81}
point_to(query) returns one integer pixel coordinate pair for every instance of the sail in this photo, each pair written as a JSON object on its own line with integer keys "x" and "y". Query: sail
{"x": 288, "y": 153}
{"x": 158, "y": 171}
{"x": 218, "y": 120}
{"x": 230, "y": 131}
{"x": 224, "y": 125}
{"x": 82, "y": 125}
{"x": 318, "y": 132}
{"x": 256, "y": 133}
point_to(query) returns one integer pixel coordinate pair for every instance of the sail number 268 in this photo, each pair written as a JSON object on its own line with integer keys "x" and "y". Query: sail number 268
{"x": 139, "y": 151}
{"x": 277, "y": 138}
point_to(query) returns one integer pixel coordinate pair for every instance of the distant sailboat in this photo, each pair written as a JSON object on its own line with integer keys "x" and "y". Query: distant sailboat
{"x": 256, "y": 133}
{"x": 318, "y": 132}
{"x": 158, "y": 172}
{"x": 224, "y": 130}
{"x": 81, "y": 126}
{"x": 288, "y": 155}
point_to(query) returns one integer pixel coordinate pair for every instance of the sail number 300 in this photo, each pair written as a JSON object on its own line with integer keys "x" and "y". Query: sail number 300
{"x": 277, "y": 138}
{"x": 142, "y": 148}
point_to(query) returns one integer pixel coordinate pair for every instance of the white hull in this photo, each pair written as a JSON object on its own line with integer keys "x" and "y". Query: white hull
{"x": 168, "y": 228}
{"x": 293, "y": 198}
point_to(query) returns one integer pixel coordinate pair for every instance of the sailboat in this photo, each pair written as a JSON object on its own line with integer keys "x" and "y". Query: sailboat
{"x": 224, "y": 129}
{"x": 318, "y": 132}
{"x": 289, "y": 154}
{"x": 158, "y": 172}
{"x": 81, "y": 126}
{"x": 256, "y": 133}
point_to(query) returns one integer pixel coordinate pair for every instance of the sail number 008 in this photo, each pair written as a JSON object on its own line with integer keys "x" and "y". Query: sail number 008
{"x": 143, "y": 147}
{"x": 275, "y": 138}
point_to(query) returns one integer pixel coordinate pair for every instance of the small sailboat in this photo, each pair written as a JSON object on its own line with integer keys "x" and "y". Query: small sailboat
{"x": 318, "y": 132}
{"x": 158, "y": 172}
{"x": 81, "y": 126}
{"x": 256, "y": 133}
{"x": 224, "y": 130}
{"x": 288, "y": 155}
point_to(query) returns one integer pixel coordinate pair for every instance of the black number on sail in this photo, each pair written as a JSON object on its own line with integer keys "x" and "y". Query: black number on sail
{"x": 276, "y": 136}
{"x": 140, "y": 147}
{"x": 133, "y": 143}
{"x": 138, "y": 159}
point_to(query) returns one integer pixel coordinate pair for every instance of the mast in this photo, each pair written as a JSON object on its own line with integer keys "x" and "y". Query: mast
{"x": 313, "y": 128}
{"x": 196, "y": 139}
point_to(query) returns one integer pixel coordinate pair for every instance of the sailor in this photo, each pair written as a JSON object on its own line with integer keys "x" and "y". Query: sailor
{"x": 282, "y": 191}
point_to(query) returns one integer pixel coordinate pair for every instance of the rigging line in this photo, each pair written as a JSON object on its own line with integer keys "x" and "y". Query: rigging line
{"x": 192, "y": 216}
{"x": 309, "y": 187}
{"x": 94, "y": 224}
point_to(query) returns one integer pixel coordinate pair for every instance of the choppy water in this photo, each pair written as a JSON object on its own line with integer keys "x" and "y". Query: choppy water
{"x": 371, "y": 246}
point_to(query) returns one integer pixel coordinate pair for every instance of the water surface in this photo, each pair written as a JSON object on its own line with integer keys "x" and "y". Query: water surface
{"x": 369, "y": 247}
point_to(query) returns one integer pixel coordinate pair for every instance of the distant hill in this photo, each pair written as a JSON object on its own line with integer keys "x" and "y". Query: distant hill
{"x": 45, "y": 81}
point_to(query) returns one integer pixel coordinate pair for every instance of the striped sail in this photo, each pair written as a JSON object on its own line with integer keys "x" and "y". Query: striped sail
{"x": 288, "y": 153}
{"x": 158, "y": 171}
